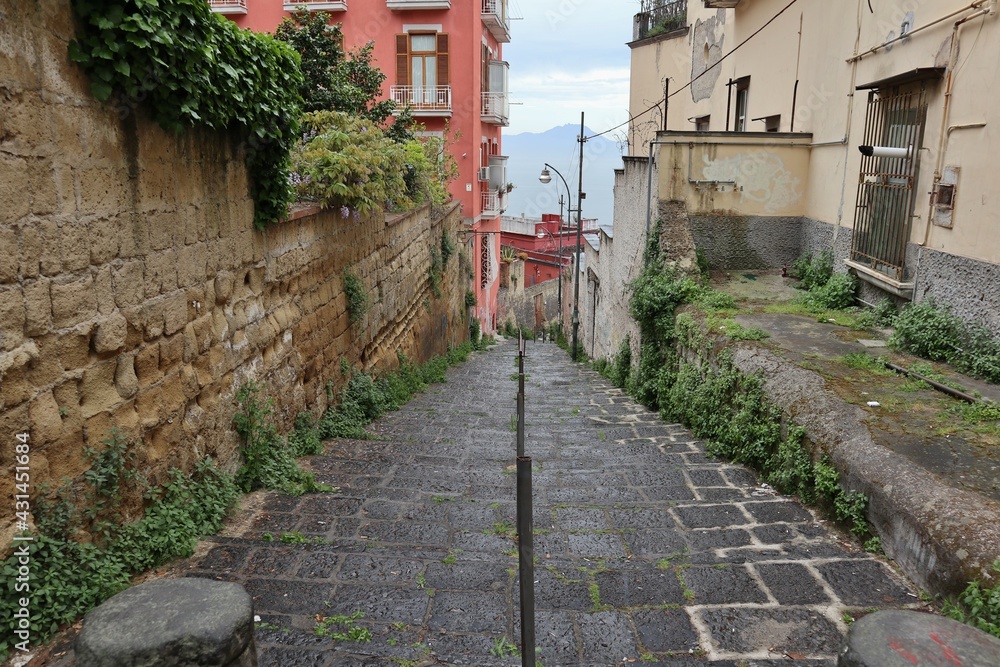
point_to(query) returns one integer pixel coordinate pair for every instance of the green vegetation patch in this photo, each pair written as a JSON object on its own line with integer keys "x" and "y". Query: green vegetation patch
{"x": 195, "y": 68}
{"x": 69, "y": 577}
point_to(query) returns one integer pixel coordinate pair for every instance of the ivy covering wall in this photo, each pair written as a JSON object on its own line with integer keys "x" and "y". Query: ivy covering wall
{"x": 195, "y": 68}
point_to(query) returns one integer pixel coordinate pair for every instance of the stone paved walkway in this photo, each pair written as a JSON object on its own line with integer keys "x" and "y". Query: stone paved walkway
{"x": 647, "y": 551}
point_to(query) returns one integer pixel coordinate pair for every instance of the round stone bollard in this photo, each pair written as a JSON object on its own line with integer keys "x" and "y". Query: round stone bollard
{"x": 170, "y": 623}
{"x": 896, "y": 638}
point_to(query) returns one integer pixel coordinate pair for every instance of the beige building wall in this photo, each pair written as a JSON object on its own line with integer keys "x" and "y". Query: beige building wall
{"x": 802, "y": 66}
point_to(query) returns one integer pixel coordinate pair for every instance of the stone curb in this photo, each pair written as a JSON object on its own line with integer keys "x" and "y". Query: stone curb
{"x": 942, "y": 537}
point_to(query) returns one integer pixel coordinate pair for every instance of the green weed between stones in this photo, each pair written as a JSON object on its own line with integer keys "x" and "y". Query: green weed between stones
{"x": 68, "y": 577}
{"x": 358, "y": 300}
{"x": 978, "y": 605}
{"x": 933, "y": 332}
{"x": 342, "y": 628}
{"x": 367, "y": 397}
{"x": 715, "y": 399}
{"x": 269, "y": 461}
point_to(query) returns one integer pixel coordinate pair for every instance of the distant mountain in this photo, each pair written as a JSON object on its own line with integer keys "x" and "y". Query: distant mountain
{"x": 528, "y": 152}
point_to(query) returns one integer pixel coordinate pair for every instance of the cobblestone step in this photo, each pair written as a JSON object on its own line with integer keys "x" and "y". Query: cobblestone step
{"x": 647, "y": 549}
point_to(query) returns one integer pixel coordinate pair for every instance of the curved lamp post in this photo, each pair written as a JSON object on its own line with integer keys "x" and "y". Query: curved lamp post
{"x": 546, "y": 177}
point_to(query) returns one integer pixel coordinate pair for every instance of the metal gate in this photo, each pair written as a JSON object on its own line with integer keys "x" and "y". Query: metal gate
{"x": 886, "y": 184}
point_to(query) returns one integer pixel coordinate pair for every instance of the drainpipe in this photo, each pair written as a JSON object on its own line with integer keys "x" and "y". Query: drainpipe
{"x": 946, "y": 112}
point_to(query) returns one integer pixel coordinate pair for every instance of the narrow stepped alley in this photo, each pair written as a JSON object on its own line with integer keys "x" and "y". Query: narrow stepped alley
{"x": 647, "y": 550}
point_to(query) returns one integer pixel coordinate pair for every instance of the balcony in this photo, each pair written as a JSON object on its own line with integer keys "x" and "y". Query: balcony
{"x": 496, "y": 109}
{"x": 402, "y": 5}
{"x": 491, "y": 203}
{"x": 496, "y": 16}
{"x": 423, "y": 100}
{"x": 228, "y": 6}
{"x": 721, "y": 4}
{"x": 317, "y": 5}
{"x": 660, "y": 17}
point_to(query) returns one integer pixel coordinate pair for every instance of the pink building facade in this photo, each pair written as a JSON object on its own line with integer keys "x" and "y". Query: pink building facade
{"x": 443, "y": 59}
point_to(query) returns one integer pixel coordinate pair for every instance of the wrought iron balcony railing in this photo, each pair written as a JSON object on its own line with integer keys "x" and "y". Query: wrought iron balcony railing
{"x": 659, "y": 17}
{"x": 316, "y": 5}
{"x": 423, "y": 100}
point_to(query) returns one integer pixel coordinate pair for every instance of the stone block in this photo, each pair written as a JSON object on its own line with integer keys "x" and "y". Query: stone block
{"x": 162, "y": 231}
{"x": 110, "y": 334}
{"x": 97, "y": 428}
{"x": 45, "y": 369}
{"x": 165, "y": 440}
{"x": 46, "y": 422}
{"x": 37, "y": 307}
{"x": 9, "y": 256}
{"x": 126, "y": 419}
{"x": 172, "y": 397}
{"x": 49, "y": 257}
{"x": 147, "y": 405}
{"x": 103, "y": 190}
{"x": 15, "y": 188}
{"x": 209, "y": 622}
{"x": 104, "y": 240}
{"x": 161, "y": 273}
{"x": 192, "y": 265}
{"x": 97, "y": 389}
{"x": 147, "y": 365}
{"x": 126, "y": 381}
{"x": 73, "y": 301}
{"x": 65, "y": 180}
{"x": 175, "y": 312}
{"x": 67, "y": 396}
{"x": 104, "y": 290}
{"x": 189, "y": 381}
{"x": 12, "y": 317}
{"x": 171, "y": 352}
{"x": 74, "y": 246}
{"x": 30, "y": 250}
{"x": 73, "y": 348}
{"x": 127, "y": 282}
{"x": 15, "y": 387}
{"x": 134, "y": 238}
{"x": 151, "y": 313}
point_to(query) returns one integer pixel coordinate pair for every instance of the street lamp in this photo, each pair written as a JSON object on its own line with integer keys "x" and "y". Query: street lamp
{"x": 545, "y": 177}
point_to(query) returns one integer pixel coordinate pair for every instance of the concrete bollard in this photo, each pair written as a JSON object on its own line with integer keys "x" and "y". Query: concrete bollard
{"x": 168, "y": 623}
{"x": 896, "y": 638}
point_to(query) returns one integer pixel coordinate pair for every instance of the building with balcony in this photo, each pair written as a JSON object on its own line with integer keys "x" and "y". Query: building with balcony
{"x": 443, "y": 60}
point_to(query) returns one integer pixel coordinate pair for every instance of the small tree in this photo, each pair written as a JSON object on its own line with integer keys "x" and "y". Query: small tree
{"x": 335, "y": 80}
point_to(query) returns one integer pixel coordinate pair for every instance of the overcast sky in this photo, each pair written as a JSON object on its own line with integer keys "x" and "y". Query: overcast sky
{"x": 568, "y": 56}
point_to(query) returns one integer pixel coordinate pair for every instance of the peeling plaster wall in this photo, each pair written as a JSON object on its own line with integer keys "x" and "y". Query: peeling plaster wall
{"x": 707, "y": 48}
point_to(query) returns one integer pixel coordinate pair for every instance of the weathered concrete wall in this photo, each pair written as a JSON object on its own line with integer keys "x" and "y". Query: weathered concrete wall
{"x": 523, "y": 306}
{"x": 617, "y": 264}
{"x": 971, "y": 288}
{"x": 135, "y": 293}
{"x": 746, "y": 242}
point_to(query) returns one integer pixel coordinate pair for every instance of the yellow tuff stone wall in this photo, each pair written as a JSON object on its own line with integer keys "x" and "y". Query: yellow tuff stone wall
{"x": 135, "y": 293}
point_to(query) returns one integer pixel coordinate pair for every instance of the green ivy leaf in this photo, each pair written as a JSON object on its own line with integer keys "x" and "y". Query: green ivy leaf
{"x": 101, "y": 89}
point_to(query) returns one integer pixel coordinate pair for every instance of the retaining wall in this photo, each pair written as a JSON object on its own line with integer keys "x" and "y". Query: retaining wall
{"x": 135, "y": 293}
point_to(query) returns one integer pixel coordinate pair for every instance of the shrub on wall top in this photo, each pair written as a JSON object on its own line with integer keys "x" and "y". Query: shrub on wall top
{"x": 197, "y": 68}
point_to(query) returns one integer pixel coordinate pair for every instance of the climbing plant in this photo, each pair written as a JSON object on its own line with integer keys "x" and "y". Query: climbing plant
{"x": 195, "y": 68}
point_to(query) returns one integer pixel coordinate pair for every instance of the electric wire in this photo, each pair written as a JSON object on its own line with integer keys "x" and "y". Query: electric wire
{"x": 694, "y": 79}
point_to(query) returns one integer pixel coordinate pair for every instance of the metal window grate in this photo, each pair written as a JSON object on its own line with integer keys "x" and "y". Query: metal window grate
{"x": 886, "y": 194}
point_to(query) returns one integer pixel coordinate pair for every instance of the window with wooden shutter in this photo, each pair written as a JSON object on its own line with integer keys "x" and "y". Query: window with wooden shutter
{"x": 443, "y": 69}
{"x": 402, "y": 60}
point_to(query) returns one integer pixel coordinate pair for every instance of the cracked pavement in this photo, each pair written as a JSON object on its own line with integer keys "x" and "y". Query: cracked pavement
{"x": 648, "y": 551}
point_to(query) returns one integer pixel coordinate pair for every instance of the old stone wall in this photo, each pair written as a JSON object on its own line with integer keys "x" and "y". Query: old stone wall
{"x": 135, "y": 293}
{"x": 605, "y": 293}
